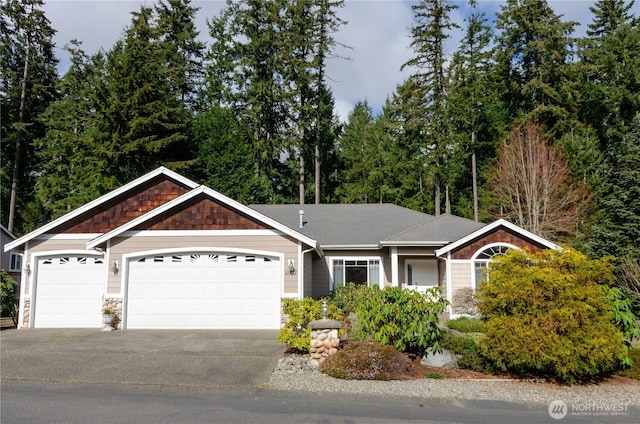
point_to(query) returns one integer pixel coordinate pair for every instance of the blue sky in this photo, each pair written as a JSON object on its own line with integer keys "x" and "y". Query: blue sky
{"x": 378, "y": 32}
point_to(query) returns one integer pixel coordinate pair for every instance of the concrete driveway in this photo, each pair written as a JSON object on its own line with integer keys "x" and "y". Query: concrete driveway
{"x": 202, "y": 358}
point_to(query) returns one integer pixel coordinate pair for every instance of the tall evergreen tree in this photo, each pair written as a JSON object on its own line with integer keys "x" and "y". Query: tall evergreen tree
{"x": 610, "y": 92}
{"x": 370, "y": 159}
{"x": 145, "y": 118}
{"x": 473, "y": 109}
{"x": 245, "y": 72}
{"x": 267, "y": 63}
{"x": 532, "y": 52}
{"x": 74, "y": 164}
{"x": 424, "y": 94}
{"x": 617, "y": 232}
{"x": 28, "y": 79}
{"x": 609, "y": 16}
{"x": 184, "y": 53}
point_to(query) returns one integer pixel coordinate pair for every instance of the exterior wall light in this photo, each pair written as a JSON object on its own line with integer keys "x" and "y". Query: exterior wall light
{"x": 292, "y": 269}
{"x": 114, "y": 267}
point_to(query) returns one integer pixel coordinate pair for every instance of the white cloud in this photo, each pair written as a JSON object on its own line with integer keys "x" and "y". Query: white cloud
{"x": 377, "y": 31}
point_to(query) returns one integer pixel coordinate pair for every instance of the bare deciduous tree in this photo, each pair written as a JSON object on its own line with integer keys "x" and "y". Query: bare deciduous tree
{"x": 629, "y": 277}
{"x": 465, "y": 302}
{"x": 533, "y": 186}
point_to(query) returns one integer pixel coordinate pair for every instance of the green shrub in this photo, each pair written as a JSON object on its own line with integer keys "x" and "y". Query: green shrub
{"x": 347, "y": 297}
{"x": 621, "y": 314}
{"x": 405, "y": 319}
{"x": 295, "y": 333}
{"x": 634, "y": 370}
{"x": 8, "y": 299}
{"x": 548, "y": 315}
{"x": 466, "y": 325}
{"x": 467, "y": 351}
{"x": 368, "y": 360}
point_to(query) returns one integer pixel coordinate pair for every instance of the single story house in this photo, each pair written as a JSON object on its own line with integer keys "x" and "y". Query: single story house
{"x": 169, "y": 253}
{"x": 10, "y": 261}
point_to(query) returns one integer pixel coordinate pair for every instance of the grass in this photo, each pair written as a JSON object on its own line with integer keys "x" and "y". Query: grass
{"x": 433, "y": 375}
{"x": 466, "y": 325}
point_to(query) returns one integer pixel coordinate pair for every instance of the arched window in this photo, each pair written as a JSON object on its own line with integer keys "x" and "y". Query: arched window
{"x": 482, "y": 258}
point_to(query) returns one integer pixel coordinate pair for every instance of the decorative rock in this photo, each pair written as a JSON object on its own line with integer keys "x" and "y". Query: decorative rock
{"x": 322, "y": 336}
{"x": 446, "y": 359}
{"x": 332, "y": 351}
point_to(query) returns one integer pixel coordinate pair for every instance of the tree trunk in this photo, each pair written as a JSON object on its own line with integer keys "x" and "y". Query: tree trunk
{"x": 437, "y": 193}
{"x": 301, "y": 169}
{"x": 317, "y": 163}
{"x": 16, "y": 162}
{"x": 474, "y": 176}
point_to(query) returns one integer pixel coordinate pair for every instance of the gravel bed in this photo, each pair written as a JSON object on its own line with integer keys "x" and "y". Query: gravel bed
{"x": 294, "y": 373}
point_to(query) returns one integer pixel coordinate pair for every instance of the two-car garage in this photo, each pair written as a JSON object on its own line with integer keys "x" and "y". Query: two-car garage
{"x": 193, "y": 289}
{"x": 164, "y": 252}
{"x": 203, "y": 290}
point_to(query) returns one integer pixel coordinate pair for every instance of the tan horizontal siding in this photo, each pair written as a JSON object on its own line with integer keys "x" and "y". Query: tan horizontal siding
{"x": 460, "y": 275}
{"x": 460, "y": 278}
{"x": 57, "y": 244}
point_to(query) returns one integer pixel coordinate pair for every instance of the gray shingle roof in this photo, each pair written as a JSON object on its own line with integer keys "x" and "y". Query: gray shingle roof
{"x": 447, "y": 228}
{"x": 369, "y": 224}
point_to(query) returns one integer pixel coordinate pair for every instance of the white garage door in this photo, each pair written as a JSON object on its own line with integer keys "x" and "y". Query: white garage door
{"x": 204, "y": 290}
{"x": 68, "y": 292}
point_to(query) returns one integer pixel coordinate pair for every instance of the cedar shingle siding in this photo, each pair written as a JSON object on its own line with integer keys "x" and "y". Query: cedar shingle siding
{"x": 499, "y": 235}
{"x": 121, "y": 210}
{"x": 201, "y": 213}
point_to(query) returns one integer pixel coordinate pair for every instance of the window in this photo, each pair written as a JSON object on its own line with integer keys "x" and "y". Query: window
{"x": 15, "y": 264}
{"x": 482, "y": 258}
{"x": 357, "y": 271}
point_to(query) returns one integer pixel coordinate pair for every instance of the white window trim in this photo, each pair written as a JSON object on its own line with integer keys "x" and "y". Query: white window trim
{"x": 332, "y": 283}
{"x": 474, "y": 260}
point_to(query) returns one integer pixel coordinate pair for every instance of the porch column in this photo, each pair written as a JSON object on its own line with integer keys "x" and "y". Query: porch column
{"x": 394, "y": 267}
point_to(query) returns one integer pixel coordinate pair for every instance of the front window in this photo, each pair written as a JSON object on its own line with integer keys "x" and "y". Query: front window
{"x": 356, "y": 271}
{"x": 482, "y": 259}
{"x": 15, "y": 264}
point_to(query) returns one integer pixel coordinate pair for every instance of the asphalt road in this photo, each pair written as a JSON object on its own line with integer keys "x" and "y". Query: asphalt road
{"x": 45, "y": 402}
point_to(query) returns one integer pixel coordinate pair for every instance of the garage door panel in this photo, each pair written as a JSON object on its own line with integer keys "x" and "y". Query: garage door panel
{"x": 204, "y": 291}
{"x": 69, "y": 291}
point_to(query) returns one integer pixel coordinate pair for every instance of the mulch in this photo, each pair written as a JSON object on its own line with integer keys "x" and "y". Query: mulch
{"x": 6, "y": 323}
{"x": 420, "y": 371}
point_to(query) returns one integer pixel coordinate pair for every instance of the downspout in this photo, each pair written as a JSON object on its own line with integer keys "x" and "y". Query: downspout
{"x": 301, "y": 273}
{"x": 394, "y": 267}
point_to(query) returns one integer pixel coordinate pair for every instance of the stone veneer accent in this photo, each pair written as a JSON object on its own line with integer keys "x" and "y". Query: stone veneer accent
{"x": 26, "y": 313}
{"x": 114, "y": 303}
{"x": 324, "y": 340}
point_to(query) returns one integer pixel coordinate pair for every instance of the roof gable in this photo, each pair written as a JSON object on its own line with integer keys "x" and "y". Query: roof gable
{"x": 125, "y": 207}
{"x": 494, "y": 227}
{"x": 101, "y": 205}
{"x": 201, "y": 213}
{"x": 198, "y": 196}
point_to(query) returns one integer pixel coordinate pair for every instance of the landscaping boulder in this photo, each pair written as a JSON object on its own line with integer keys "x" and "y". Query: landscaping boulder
{"x": 446, "y": 359}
